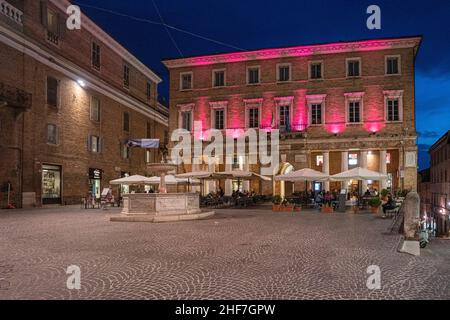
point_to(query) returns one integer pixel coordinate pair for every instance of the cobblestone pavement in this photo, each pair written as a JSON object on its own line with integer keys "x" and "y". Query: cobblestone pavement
{"x": 238, "y": 254}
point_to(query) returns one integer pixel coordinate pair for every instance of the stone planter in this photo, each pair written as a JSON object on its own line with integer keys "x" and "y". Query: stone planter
{"x": 276, "y": 207}
{"x": 327, "y": 210}
{"x": 375, "y": 210}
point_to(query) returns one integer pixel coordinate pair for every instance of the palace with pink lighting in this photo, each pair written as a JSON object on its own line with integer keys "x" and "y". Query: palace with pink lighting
{"x": 337, "y": 106}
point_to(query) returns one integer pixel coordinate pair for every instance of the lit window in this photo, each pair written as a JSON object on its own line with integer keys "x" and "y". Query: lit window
{"x": 94, "y": 144}
{"x": 319, "y": 161}
{"x": 125, "y": 152}
{"x": 353, "y": 159}
{"x": 148, "y": 156}
{"x": 388, "y": 158}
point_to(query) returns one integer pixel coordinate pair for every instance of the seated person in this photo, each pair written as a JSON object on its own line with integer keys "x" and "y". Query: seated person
{"x": 389, "y": 205}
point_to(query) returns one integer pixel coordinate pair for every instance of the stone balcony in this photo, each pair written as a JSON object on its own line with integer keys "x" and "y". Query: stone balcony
{"x": 14, "y": 97}
{"x": 11, "y": 15}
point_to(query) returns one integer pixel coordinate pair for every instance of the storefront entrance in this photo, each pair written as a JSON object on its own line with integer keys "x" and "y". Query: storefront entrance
{"x": 95, "y": 179}
{"x": 51, "y": 184}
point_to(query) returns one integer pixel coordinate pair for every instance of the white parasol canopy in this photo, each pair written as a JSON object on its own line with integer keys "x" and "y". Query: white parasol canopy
{"x": 132, "y": 180}
{"x": 241, "y": 175}
{"x": 196, "y": 175}
{"x": 303, "y": 175}
{"x": 359, "y": 174}
{"x": 171, "y": 180}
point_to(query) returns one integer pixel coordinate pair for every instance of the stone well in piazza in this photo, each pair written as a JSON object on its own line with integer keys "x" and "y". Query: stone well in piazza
{"x": 162, "y": 206}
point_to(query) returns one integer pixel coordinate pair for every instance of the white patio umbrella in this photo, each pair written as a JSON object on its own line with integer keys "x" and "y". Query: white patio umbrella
{"x": 196, "y": 175}
{"x": 171, "y": 180}
{"x": 359, "y": 174}
{"x": 132, "y": 180}
{"x": 303, "y": 175}
{"x": 241, "y": 175}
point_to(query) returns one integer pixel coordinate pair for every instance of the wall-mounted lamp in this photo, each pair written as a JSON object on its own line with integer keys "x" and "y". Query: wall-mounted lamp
{"x": 81, "y": 83}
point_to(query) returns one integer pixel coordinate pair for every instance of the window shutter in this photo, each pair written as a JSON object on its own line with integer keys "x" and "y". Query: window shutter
{"x": 61, "y": 26}
{"x": 89, "y": 143}
{"x": 43, "y": 12}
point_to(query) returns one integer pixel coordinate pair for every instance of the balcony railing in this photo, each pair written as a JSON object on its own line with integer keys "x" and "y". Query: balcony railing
{"x": 52, "y": 37}
{"x": 11, "y": 12}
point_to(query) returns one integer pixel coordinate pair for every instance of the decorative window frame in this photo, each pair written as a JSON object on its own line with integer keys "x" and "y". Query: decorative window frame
{"x": 399, "y": 57}
{"x": 347, "y": 69}
{"x": 316, "y": 99}
{"x": 354, "y": 97}
{"x": 215, "y": 106}
{"x": 253, "y": 104}
{"x": 310, "y": 63}
{"x": 279, "y": 65}
{"x": 284, "y": 101}
{"x": 181, "y": 80}
{"x": 391, "y": 95}
{"x": 213, "y": 77}
{"x": 259, "y": 75}
{"x": 189, "y": 107}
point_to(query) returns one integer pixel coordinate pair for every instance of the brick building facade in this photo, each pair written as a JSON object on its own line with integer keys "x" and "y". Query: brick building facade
{"x": 440, "y": 183}
{"x": 68, "y": 102}
{"x": 337, "y": 106}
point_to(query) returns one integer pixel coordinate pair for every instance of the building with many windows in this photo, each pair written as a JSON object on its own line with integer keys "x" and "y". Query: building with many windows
{"x": 68, "y": 102}
{"x": 337, "y": 106}
{"x": 440, "y": 183}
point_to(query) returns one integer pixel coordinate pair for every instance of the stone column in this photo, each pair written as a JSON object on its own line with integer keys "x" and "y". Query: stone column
{"x": 228, "y": 183}
{"x": 383, "y": 168}
{"x": 363, "y": 165}
{"x": 326, "y": 168}
{"x": 344, "y": 166}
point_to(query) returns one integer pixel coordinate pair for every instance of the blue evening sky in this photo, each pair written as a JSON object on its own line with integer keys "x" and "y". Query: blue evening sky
{"x": 254, "y": 24}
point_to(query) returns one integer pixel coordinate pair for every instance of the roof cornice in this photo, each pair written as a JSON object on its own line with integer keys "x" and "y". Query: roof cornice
{"x": 101, "y": 35}
{"x": 299, "y": 51}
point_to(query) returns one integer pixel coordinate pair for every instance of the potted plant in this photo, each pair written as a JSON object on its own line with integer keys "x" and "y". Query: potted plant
{"x": 375, "y": 204}
{"x": 276, "y": 203}
{"x": 327, "y": 208}
{"x": 384, "y": 193}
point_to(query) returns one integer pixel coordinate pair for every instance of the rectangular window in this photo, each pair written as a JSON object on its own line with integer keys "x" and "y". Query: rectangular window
{"x": 353, "y": 68}
{"x": 126, "y": 76}
{"x": 316, "y": 70}
{"x": 354, "y": 112}
{"x": 393, "y": 111}
{"x": 186, "y": 120}
{"x": 319, "y": 161}
{"x": 316, "y": 114}
{"x": 284, "y": 73}
{"x": 52, "y": 134}
{"x": 95, "y": 109}
{"x": 219, "y": 119}
{"x": 148, "y": 156}
{"x": 95, "y": 56}
{"x": 353, "y": 159}
{"x": 186, "y": 81}
{"x": 52, "y": 27}
{"x": 388, "y": 158}
{"x": 94, "y": 144}
{"x": 253, "y": 118}
{"x": 284, "y": 115}
{"x": 52, "y": 92}
{"x": 125, "y": 152}
{"x": 392, "y": 65}
{"x": 126, "y": 122}
{"x": 253, "y": 75}
{"x": 149, "y": 91}
{"x": 219, "y": 78}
